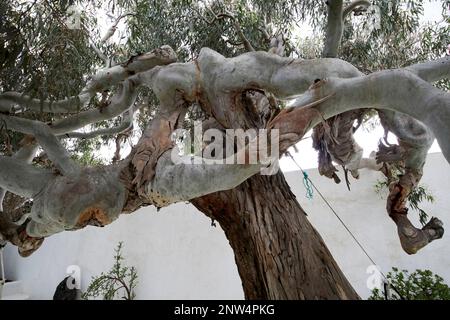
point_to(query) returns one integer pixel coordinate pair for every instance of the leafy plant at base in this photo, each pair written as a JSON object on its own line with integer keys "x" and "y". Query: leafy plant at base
{"x": 419, "y": 285}
{"x": 119, "y": 279}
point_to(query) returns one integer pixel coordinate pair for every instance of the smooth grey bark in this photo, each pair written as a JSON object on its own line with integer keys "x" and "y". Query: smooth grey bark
{"x": 334, "y": 141}
{"x": 25, "y": 154}
{"x": 120, "y": 103}
{"x": 215, "y": 82}
{"x": 396, "y": 90}
{"x": 21, "y": 178}
{"x": 126, "y": 122}
{"x": 105, "y": 78}
{"x": 336, "y": 14}
{"x": 335, "y": 27}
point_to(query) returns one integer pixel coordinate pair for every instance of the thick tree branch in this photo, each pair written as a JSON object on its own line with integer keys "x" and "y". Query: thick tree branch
{"x": 11, "y": 101}
{"x": 219, "y": 85}
{"x": 25, "y": 154}
{"x": 108, "y": 77}
{"x": 397, "y": 90}
{"x": 102, "y": 80}
{"x": 192, "y": 178}
{"x": 126, "y": 124}
{"x": 334, "y": 29}
{"x": 120, "y": 102}
{"x": 432, "y": 70}
{"x": 48, "y": 141}
{"x": 122, "y": 127}
{"x": 283, "y": 77}
{"x": 335, "y": 24}
{"x": 21, "y": 178}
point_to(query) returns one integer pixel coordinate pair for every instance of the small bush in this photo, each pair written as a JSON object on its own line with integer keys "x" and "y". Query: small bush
{"x": 119, "y": 281}
{"x": 419, "y": 285}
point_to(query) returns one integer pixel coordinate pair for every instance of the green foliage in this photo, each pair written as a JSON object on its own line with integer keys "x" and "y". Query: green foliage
{"x": 120, "y": 281}
{"x": 419, "y": 285}
{"x": 415, "y": 198}
{"x": 41, "y": 56}
{"x": 190, "y": 25}
{"x": 399, "y": 41}
{"x": 380, "y": 186}
{"x": 84, "y": 151}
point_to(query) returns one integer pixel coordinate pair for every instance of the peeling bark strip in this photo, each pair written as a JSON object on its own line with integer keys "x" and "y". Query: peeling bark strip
{"x": 154, "y": 142}
{"x": 94, "y": 217}
{"x": 414, "y": 136}
{"x": 141, "y": 163}
{"x": 412, "y": 239}
{"x": 334, "y": 141}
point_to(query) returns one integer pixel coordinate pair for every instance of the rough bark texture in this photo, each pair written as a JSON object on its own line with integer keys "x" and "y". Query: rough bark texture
{"x": 278, "y": 252}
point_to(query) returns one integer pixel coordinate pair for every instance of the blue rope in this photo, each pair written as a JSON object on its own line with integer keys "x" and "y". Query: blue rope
{"x": 308, "y": 186}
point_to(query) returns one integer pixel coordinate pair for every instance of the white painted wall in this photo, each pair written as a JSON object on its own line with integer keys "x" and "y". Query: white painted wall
{"x": 180, "y": 256}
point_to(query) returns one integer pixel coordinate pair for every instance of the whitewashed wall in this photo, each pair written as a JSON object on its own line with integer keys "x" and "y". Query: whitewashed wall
{"x": 180, "y": 256}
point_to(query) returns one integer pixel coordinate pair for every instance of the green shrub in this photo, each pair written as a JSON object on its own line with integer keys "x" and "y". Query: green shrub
{"x": 419, "y": 285}
{"x": 119, "y": 281}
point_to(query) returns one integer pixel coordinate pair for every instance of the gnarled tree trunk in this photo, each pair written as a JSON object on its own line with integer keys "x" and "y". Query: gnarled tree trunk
{"x": 278, "y": 253}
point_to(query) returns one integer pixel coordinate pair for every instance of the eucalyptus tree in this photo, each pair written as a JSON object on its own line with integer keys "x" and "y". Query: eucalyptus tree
{"x": 68, "y": 87}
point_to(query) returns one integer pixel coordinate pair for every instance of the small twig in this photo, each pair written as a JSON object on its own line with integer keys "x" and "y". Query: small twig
{"x": 121, "y": 137}
{"x": 237, "y": 26}
{"x": 124, "y": 285}
{"x": 236, "y": 44}
{"x": 355, "y": 4}
{"x": 113, "y": 28}
{"x": 265, "y": 34}
{"x": 4, "y": 130}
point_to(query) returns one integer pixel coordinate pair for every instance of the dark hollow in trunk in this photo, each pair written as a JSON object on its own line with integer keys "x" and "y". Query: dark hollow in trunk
{"x": 278, "y": 253}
